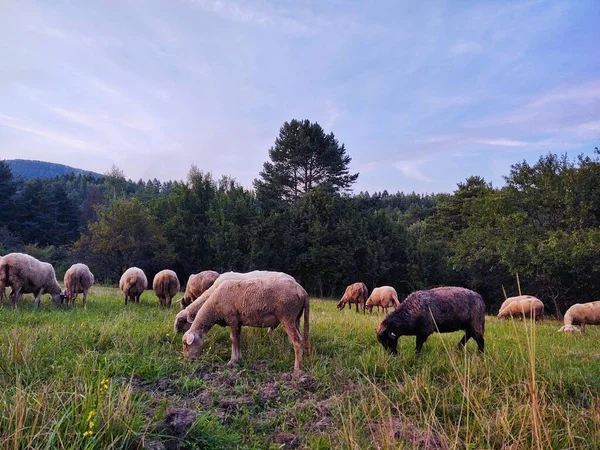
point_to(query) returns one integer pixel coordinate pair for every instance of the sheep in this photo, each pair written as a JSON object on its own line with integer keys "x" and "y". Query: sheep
{"x": 78, "y": 280}
{"x": 196, "y": 285}
{"x": 27, "y": 275}
{"x": 133, "y": 282}
{"x": 443, "y": 309}
{"x": 166, "y": 286}
{"x": 384, "y": 297}
{"x": 355, "y": 293}
{"x": 185, "y": 317}
{"x": 258, "y": 302}
{"x": 581, "y": 314}
{"x": 522, "y": 306}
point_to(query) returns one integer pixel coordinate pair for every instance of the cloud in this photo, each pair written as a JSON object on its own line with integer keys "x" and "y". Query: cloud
{"x": 502, "y": 142}
{"x": 465, "y": 47}
{"x": 410, "y": 169}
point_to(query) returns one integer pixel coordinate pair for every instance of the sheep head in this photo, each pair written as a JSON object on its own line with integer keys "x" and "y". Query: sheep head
{"x": 192, "y": 345}
{"x": 183, "y": 321}
{"x": 59, "y": 299}
{"x": 387, "y": 338}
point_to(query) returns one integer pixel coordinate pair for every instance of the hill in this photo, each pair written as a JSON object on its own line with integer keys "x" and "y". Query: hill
{"x": 27, "y": 169}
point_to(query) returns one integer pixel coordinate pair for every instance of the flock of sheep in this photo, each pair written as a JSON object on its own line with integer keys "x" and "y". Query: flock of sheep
{"x": 266, "y": 299}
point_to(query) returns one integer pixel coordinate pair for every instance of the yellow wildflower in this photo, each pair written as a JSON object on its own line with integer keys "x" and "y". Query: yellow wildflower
{"x": 91, "y": 414}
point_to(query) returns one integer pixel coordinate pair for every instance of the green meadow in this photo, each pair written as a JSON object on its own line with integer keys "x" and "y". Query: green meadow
{"x": 105, "y": 376}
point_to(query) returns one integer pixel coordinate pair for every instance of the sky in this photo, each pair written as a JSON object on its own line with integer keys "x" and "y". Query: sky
{"x": 422, "y": 94}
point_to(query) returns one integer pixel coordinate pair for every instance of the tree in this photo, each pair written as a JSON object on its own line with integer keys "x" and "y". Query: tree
{"x": 303, "y": 158}
{"x": 125, "y": 235}
{"x": 7, "y": 191}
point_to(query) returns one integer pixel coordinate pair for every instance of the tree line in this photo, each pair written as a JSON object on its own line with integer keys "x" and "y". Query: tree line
{"x": 301, "y": 218}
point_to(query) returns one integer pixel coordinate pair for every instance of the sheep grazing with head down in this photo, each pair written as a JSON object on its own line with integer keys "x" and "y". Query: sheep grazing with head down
{"x": 78, "y": 280}
{"x": 383, "y": 297}
{"x": 27, "y": 275}
{"x": 258, "y": 302}
{"x": 197, "y": 284}
{"x": 524, "y": 306}
{"x": 444, "y": 310}
{"x": 581, "y": 314}
{"x": 185, "y": 317}
{"x": 355, "y": 294}
{"x": 166, "y": 286}
{"x": 133, "y": 283}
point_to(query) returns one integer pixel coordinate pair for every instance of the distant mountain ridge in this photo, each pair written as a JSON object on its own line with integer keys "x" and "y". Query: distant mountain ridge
{"x": 28, "y": 169}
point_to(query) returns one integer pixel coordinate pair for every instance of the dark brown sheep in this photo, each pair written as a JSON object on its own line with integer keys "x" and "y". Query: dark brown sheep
{"x": 356, "y": 293}
{"x": 444, "y": 310}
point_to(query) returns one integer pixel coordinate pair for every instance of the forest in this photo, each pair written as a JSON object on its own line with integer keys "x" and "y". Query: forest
{"x": 302, "y": 218}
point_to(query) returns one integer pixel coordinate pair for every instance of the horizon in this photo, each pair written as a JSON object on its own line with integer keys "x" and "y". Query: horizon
{"x": 422, "y": 96}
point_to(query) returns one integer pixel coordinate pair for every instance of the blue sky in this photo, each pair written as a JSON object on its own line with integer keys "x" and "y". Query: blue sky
{"x": 423, "y": 94}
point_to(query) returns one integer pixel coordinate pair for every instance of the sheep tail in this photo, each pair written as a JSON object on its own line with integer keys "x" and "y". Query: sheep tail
{"x": 306, "y": 326}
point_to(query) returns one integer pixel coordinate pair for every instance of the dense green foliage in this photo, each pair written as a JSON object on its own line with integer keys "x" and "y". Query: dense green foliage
{"x": 544, "y": 224}
{"x": 103, "y": 377}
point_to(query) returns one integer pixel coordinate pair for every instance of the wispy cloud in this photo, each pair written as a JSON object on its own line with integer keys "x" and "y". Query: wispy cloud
{"x": 412, "y": 169}
{"x": 502, "y": 142}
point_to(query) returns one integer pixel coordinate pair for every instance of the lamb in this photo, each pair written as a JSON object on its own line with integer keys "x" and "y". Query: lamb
{"x": 185, "y": 317}
{"x": 133, "y": 283}
{"x": 581, "y": 314}
{"x": 78, "y": 280}
{"x": 522, "y": 306}
{"x": 355, "y": 293}
{"x": 196, "y": 285}
{"x": 258, "y": 302}
{"x": 384, "y": 297}
{"x": 166, "y": 286}
{"x": 27, "y": 275}
{"x": 443, "y": 309}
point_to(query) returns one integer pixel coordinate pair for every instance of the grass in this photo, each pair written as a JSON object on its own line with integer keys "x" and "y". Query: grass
{"x": 103, "y": 378}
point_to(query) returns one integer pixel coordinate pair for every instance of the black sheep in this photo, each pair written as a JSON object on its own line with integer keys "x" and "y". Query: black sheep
{"x": 444, "y": 310}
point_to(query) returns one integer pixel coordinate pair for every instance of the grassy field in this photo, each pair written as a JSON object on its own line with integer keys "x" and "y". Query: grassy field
{"x": 104, "y": 377}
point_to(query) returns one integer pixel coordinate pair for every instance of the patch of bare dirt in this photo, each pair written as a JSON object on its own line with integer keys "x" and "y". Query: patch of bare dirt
{"x": 392, "y": 430}
{"x": 285, "y": 440}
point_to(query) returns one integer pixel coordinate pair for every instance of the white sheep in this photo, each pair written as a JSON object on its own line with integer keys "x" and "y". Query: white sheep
{"x": 166, "y": 286}
{"x": 185, "y": 317}
{"x": 78, "y": 280}
{"x": 258, "y": 302}
{"x": 27, "y": 275}
{"x": 197, "y": 284}
{"x": 581, "y": 314}
{"x": 522, "y": 306}
{"x": 384, "y": 297}
{"x": 133, "y": 283}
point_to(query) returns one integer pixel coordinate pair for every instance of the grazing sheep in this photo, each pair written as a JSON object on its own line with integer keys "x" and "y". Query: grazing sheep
{"x": 78, "y": 280}
{"x": 166, "y": 286}
{"x": 27, "y": 275}
{"x": 355, "y": 293}
{"x": 581, "y": 314}
{"x": 196, "y": 285}
{"x": 133, "y": 283}
{"x": 184, "y": 318}
{"x": 444, "y": 310}
{"x": 384, "y": 297}
{"x": 524, "y": 306}
{"x": 258, "y": 302}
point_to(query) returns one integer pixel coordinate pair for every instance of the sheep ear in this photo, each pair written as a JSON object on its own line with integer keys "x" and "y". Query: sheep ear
{"x": 189, "y": 338}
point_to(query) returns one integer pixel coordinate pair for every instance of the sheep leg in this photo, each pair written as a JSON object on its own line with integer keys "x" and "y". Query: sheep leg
{"x": 38, "y": 297}
{"x": 480, "y": 341}
{"x": 125, "y": 299}
{"x": 582, "y": 326}
{"x": 421, "y": 338}
{"x": 465, "y": 338}
{"x": 296, "y": 340}
{"x": 235, "y": 331}
{"x": 85, "y": 298}
{"x": 356, "y": 304}
{"x": 15, "y": 296}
